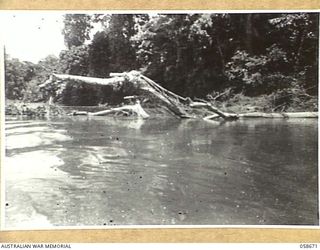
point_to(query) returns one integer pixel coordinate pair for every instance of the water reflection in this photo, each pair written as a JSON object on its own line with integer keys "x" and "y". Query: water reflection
{"x": 97, "y": 171}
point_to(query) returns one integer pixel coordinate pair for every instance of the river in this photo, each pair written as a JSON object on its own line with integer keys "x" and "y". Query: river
{"x": 81, "y": 171}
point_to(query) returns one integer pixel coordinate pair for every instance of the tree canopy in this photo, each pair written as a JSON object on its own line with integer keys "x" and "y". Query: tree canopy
{"x": 191, "y": 54}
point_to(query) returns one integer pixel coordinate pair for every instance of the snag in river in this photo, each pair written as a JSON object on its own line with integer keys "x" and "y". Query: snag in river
{"x": 145, "y": 88}
{"x": 177, "y": 105}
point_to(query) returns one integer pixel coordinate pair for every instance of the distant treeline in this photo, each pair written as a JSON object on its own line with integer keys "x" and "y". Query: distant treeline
{"x": 196, "y": 55}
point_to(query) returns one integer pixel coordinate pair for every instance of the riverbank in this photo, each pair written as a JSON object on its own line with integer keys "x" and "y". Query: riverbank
{"x": 17, "y": 108}
{"x": 239, "y": 104}
{"x": 245, "y": 107}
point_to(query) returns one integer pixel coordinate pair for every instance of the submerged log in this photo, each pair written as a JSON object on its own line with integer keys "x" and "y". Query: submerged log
{"x": 284, "y": 115}
{"x": 280, "y": 115}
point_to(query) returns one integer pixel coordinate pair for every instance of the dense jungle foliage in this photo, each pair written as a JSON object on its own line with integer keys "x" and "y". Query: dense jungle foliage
{"x": 269, "y": 59}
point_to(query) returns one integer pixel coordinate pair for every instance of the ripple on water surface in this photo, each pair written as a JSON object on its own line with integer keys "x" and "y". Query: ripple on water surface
{"x": 96, "y": 172}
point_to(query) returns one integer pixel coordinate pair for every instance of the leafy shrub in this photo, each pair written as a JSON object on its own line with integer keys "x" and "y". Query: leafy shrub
{"x": 255, "y": 75}
{"x": 294, "y": 98}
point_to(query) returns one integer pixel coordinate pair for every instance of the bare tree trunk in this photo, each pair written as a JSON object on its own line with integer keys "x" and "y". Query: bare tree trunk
{"x": 178, "y": 105}
{"x": 223, "y": 64}
{"x": 249, "y": 33}
{"x": 136, "y": 108}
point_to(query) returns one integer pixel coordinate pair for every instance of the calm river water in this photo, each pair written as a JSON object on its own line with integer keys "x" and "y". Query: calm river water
{"x": 79, "y": 171}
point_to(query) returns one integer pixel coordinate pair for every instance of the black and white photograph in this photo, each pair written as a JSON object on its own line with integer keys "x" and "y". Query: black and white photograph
{"x": 159, "y": 119}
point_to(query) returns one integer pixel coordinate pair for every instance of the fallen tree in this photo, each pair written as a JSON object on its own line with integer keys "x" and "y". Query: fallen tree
{"x": 177, "y": 105}
{"x": 182, "y": 107}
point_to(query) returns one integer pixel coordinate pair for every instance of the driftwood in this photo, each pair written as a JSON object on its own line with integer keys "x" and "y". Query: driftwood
{"x": 136, "y": 108}
{"x": 126, "y": 110}
{"x": 280, "y": 115}
{"x": 283, "y": 115}
{"x": 207, "y": 105}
